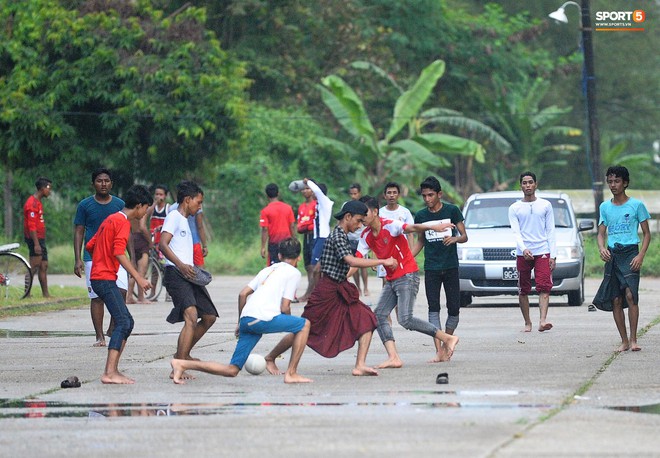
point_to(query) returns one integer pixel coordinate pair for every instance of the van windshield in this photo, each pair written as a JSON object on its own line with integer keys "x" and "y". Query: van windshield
{"x": 493, "y": 213}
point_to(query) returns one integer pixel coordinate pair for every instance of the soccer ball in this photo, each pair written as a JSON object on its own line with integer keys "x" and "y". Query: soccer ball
{"x": 255, "y": 364}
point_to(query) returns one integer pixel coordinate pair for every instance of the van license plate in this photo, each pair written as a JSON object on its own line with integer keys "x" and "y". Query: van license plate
{"x": 509, "y": 273}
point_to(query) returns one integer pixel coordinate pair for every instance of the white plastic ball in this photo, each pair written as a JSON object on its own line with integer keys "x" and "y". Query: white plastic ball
{"x": 255, "y": 364}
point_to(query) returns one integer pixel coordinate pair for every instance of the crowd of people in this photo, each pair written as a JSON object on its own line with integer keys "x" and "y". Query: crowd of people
{"x": 366, "y": 236}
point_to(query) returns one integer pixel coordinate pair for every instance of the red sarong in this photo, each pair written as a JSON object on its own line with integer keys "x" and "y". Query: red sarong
{"x": 337, "y": 316}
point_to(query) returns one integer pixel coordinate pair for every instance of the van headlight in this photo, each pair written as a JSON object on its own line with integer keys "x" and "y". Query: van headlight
{"x": 568, "y": 253}
{"x": 470, "y": 254}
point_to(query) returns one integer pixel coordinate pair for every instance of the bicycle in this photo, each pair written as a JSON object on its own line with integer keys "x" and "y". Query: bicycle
{"x": 155, "y": 274}
{"x": 15, "y": 273}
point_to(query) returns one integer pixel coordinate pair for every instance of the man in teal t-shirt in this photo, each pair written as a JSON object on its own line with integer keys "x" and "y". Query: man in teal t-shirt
{"x": 618, "y": 243}
{"x": 440, "y": 254}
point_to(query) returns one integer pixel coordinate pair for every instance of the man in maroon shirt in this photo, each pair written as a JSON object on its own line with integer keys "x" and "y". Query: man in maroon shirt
{"x": 34, "y": 230}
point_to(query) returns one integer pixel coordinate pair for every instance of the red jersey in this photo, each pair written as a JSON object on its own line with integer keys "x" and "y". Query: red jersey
{"x": 306, "y": 215}
{"x": 277, "y": 217}
{"x": 391, "y": 241}
{"x": 33, "y": 218}
{"x": 108, "y": 243}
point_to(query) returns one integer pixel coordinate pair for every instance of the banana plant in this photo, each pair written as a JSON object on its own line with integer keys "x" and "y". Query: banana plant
{"x": 405, "y": 155}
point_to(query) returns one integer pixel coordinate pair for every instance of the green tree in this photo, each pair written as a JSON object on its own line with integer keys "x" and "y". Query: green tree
{"x": 538, "y": 141}
{"x": 393, "y": 155}
{"x": 115, "y": 83}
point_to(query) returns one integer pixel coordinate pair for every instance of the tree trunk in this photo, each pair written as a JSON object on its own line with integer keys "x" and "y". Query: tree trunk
{"x": 9, "y": 209}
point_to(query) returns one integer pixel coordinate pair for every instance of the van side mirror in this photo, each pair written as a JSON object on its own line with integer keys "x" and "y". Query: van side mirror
{"x": 585, "y": 225}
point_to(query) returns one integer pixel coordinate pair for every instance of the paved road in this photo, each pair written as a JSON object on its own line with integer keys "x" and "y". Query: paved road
{"x": 558, "y": 393}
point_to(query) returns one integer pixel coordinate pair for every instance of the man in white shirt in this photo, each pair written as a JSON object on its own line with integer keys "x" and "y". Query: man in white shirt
{"x": 533, "y": 224}
{"x": 321, "y": 225}
{"x": 192, "y": 302}
{"x": 264, "y": 307}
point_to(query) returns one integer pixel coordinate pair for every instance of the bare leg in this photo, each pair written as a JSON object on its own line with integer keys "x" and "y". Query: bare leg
{"x": 97, "y": 307}
{"x": 356, "y": 279}
{"x": 544, "y": 302}
{"x": 112, "y": 374}
{"x": 633, "y": 318}
{"x": 365, "y": 279}
{"x": 620, "y": 321}
{"x": 142, "y": 266}
{"x": 43, "y": 278}
{"x": 393, "y": 360}
{"x": 299, "y": 341}
{"x": 281, "y": 347}
{"x": 361, "y": 367}
{"x": 179, "y": 366}
{"x": 310, "y": 283}
{"x": 523, "y": 301}
{"x": 186, "y": 337}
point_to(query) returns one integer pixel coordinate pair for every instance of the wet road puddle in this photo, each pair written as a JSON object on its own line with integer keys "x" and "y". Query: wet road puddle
{"x": 650, "y": 408}
{"x": 36, "y": 408}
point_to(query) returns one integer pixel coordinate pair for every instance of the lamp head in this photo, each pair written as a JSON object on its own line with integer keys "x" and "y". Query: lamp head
{"x": 559, "y": 15}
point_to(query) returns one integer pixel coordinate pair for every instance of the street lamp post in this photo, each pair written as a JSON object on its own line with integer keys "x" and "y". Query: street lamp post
{"x": 590, "y": 89}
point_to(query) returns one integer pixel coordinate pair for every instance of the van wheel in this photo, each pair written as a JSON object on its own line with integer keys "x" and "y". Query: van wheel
{"x": 466, "y": 299}
{"x": 576, "y": 298}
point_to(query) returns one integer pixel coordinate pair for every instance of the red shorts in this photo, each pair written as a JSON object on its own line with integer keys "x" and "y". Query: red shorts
{"x": 542, "y": 274}
{"x": 198, "y": 255}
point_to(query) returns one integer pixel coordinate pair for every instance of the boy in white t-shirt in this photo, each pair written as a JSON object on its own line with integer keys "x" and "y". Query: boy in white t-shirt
{"x": 264, "y": 307}
{"x": 192, "y": 303}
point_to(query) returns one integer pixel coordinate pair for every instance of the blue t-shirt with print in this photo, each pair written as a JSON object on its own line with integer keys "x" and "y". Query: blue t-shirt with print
{"x": 91, "y": 214}
{"x": 622, "y": 221}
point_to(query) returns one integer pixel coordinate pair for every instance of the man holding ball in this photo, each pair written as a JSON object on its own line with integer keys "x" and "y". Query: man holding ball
{"x": 264, "y": 307}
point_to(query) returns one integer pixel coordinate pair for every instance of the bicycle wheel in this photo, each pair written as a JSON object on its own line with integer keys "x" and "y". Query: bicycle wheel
{"x": 155, "y": 276}
{"x": 15, "y": 277}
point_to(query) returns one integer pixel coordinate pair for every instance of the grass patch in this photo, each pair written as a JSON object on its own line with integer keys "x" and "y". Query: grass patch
{"x": 66, "y": 297}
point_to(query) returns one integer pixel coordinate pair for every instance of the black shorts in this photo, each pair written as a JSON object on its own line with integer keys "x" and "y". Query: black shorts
{"x": 44, "y": 251}
{"x": 185, "y": 294}
{"x": 308, "y": 245}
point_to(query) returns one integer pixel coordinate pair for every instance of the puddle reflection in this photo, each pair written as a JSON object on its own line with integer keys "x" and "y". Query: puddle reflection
{"x": 36, "y": 408}
{"x": 650, "y": 408}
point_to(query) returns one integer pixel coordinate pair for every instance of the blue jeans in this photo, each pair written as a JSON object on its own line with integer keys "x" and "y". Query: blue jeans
{"x": 401, "y": 293}
{"x": 107, "y": 290}
{"x": 251, "y": 329}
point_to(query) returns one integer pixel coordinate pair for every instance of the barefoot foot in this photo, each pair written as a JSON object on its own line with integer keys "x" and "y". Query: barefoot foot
{"x": 392, "y": 363}
{"x": 183, "y": 376}
{"x": 545, "y": 327}
{"x": 116, "y": 378}
{"x": 635, "y": 347}
{"x": 528, "y": 327}
{"x": 272, "y": 368}
{"x": 296, "y": 378}
{"x": 360, "y": 371}
{"x": 178, "y": 373}
{"x": 99, "y": 343}
{"x": 623, "y": 347}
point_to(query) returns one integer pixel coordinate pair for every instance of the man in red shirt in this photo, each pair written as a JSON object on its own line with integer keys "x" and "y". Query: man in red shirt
{"x": 34, "y": 230}
{"x": 277, "y": 222}
{"x": 387, "y": 238}
{"x": 108, "y": 250}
